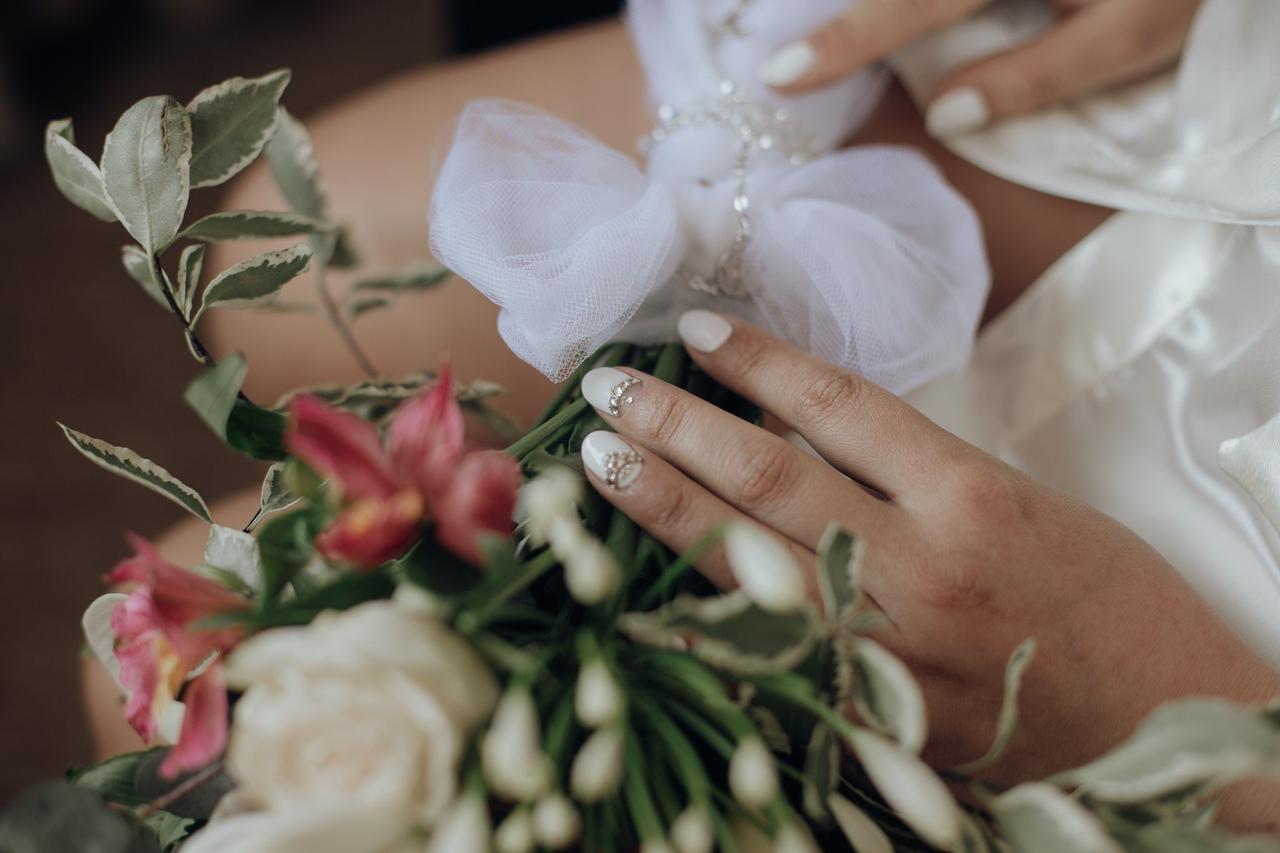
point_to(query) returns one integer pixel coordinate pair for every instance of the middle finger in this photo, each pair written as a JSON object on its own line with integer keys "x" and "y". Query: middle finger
{"x": 748, "y": 467}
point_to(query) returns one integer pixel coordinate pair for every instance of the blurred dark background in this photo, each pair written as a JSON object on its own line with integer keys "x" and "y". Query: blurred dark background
{"x": 77, "y": 347}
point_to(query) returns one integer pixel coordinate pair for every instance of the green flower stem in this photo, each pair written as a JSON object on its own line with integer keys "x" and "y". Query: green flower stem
{"x": 791, "y": 690}
{"x": 638, "y": 796}
{"x": 683, "y": 754}
{"x": 331, "y": 309}
{"x": 725, "y": 842}
{"x": 672, "y": 363}
{"x": 559, "y": 730}
{"x": 659, "y": 589}
{"x": 605, "y": 357}
{"x": 470, "y": 621}
{"x": 548, "y": 430}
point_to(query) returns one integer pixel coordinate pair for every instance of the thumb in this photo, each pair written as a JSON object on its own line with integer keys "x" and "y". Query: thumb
{"x": 1099, "y": 47}
{"x": 865, "y": 32}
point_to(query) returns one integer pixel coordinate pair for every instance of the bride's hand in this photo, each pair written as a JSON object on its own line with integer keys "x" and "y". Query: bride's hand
{"x": 966, "y": 556}
{"x": 1095, "y": 45}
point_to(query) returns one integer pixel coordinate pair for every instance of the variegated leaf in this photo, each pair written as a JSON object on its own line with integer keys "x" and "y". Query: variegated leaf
{"x": 146, "y": 170}
{"x": 76, "y": 176}
{"x": 1040, "y": 818}
{"x": 230, "y": 124}
{"x": 911, "y": 788}
{"x": 213, "y": 395}
{"x": 252, "y": 225}
{"x": 131, "y": 466}
{"x": 361, "y": 305}
{"x": 1204, "y": 742}
{"x": 138, "y": 266}
{"x": 858, "y": 828}
{"x": 1007, "y": 722}
{"x": 275, "y": 494}
{"x": 839, "y": 555}
{"x": 414, "y": 278}
{"x": 821, "y": 771}
{"x": 257, "y": 280}
{"x": 887, "y": 695}
{"x": 728, "y": 632}
{"x": 293, "y": 166}
{"x": 189, "y": 268}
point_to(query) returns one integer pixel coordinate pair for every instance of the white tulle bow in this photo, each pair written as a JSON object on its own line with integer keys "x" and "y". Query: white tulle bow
{"x": 864, "y": 256}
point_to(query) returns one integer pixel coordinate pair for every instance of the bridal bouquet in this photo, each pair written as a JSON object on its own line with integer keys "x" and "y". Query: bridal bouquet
{"x": 417, "y": 645}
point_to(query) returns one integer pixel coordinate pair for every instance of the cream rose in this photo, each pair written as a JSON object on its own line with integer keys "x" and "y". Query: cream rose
{"x": 366, "y": 709}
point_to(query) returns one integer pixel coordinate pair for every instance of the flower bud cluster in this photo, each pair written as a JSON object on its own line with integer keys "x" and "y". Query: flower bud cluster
{"x": 548, "y": 509}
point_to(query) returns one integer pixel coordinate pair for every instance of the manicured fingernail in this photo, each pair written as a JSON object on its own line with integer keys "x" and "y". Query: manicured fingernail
{"x": 959, "y": 111}
{"x": 609, "y": 389}
{"x": 703, "y": 330}
{"x": 612, "y": 459}
{"x": 789, "y": 64}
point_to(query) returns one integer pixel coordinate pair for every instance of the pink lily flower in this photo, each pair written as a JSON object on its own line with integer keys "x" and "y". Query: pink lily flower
{"x": 423, "y": 474}
{"x": 158, "y": 648}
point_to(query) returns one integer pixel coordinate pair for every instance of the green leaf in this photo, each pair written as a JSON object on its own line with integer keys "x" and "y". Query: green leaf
{"x": 861, "y": 831}
{"x": 230, "y": 124}
{"x": 293, "y": 166}
{"x": 275, "y": 493}
{"x": 433, "y": 568}
{"x": 361, "y": 305}
{"x": 60, "y": 816}
{"x": 887, "y": 695}
{"x": 76, "y": 176}
{"x": 285, "y": 543}
{"x": 910, "y": 788}
{"x": 413, "y": 279}
{"x": 1039, "y": 818}
{"x": 1007, "y": 722}
{"x": 728, "y": 632}
{"x": 1205, "y": 742}
{"x": 256, "y": 432}
{"x": 198, "y": 802}
{"x": 256, "y": 280}
{"x": 170, "y": 829}
{"x": 138, "y": 266}
{"x": 252, "y": 225}
{"x": 213, "y": 395}
{"x": 821, "y": 771}
{"x": 189, "y": 268}
{"x": 839, "y": 555}
{"x": 343, "y": 255}
{"x": 146, "y": 170}
{"x": 1181, "y": 838}
{"x": 116, "y": 779}
{"x": 131, "y": 466}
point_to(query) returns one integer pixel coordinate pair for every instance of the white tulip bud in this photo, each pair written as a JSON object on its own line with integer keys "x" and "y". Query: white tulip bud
{"x": 597, "y": 698}
{"x": 597, "y": 768}
{"x": 693, "y": 832}
{"x": 511, "y": 753}
{"x": 551, "y": 495}
{"x": 753, "y": 777}
{"x": 914, "y": 791}
{"x": 794, "y": 838}
{"x": 764, "y": 568}
{"x": 464, "y": 828}
{"x": 515, "y": 834}
{"x": 591, "y": 572}
{"x": 556, "y": 823}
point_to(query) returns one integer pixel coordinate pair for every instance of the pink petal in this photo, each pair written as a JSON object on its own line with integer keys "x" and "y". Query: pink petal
{"x": 371, "y": 532}
{"x": 481, "y": 499}
{"x": 177, "y": 596}
{"x": 339, "y": 445}
{"x": 204, "y": 726}
{"x": 425, "y": 438}
{"x": 140, "y": 675}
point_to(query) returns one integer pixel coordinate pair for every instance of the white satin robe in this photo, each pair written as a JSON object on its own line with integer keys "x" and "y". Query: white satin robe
{"x": 1141, "y": 372}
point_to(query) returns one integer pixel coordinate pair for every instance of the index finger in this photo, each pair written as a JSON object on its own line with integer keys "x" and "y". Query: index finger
{"x": 857, "y": 426}
{"x": 865, "y": 32}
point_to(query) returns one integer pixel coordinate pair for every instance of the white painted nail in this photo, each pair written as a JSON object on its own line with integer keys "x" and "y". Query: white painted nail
{"x": 609, "y": 389}
{"x": 957, "y": 112}
{"x": 703, "y": 330}
{"x": 789, "y": 64}
{"x": 612, "y": 459}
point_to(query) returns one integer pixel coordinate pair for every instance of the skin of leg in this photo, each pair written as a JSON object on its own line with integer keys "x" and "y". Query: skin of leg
{"x": 379, "y": 153}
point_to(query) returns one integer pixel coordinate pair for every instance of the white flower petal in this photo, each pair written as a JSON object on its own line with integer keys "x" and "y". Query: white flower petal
{"x": 764, "y": 568}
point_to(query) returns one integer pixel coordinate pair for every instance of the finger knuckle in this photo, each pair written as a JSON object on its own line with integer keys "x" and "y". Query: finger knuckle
{"x": 956, "y": 584}
{"x": 762, "y": 473}
{"x": 670, "y": 509}
{"x": 831, "y": 395}
{"x": 666, "y": 419}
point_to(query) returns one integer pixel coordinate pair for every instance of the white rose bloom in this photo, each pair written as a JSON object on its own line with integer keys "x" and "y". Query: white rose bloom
{"x": 376, "y": 740}
{"x": 369, "y": 707}
{"x": 378, "y": 634}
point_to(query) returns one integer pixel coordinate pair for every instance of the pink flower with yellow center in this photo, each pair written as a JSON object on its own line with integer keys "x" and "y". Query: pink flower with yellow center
{"x": 159, "y": 646}
{"x": 422, "y": 474}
